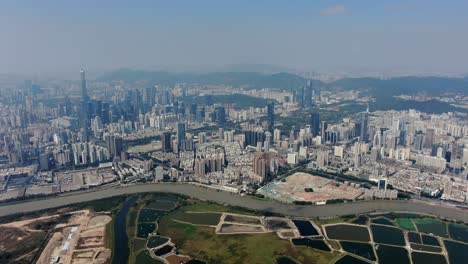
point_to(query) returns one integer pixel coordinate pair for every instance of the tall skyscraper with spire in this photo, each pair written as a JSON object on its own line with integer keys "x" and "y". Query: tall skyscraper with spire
{"x": 84, "y": 111}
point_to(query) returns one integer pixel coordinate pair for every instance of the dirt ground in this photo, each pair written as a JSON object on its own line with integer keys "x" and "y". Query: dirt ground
{"x": 81, "y": 240}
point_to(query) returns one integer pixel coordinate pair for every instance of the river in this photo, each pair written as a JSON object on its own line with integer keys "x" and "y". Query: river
{"x": 121, "y": 250}
{"x": 203, "y": 193}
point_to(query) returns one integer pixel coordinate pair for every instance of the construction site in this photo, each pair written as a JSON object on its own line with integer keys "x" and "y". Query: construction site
{"x": 305, "y": 187}
{"x": 80, "y": 240}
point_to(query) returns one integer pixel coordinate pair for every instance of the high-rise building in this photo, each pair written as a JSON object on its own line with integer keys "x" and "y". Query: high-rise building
{"x": 418, "y": 141}
{"x": 84, "y": 107}
{"x": 277, "y": 135}
{"x": 308, "y": 94}
{"x": 323, "y": 128}
{"x": 271, "y": 116}
{"x": 180, "y": 133}
{"x": 264, "y": 164}
{"x": 315, "y": 123}
{"x": 166, "y": 142}
{"x": 114, "y": 144}
{"x": 300, "y": 96}
{"x": 84, "y": 91}
{"x": 364, "y": 132}
{"x": 220, "y": 115}
{"x": 465, "y": 156}
{"x": 429, "y": 138}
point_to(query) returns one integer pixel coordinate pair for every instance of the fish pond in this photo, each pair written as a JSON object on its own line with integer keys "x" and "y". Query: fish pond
{"x": 392, "y": 255}
{"x": 364, "y": 250}
{"x": 305, "y": 228}
{"x": 388, "y": 235}
{"x": 348, "y": 232}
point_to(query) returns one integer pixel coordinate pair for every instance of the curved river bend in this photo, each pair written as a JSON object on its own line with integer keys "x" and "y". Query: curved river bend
{"x": 331, "y": 210}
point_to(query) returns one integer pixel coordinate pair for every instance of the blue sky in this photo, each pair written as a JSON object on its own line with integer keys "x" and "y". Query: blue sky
{"x": 48, "y": 35}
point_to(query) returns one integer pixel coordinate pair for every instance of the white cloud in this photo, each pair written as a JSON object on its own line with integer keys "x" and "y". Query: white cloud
{"x": 333, "y": 10}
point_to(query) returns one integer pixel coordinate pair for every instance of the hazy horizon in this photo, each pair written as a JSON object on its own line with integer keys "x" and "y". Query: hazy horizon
{"x": 63, "y": 36}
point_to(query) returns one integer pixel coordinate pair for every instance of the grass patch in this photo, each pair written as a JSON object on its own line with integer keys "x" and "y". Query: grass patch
{"x": 202, "y": 243}
{"x": 138, "y": 244}
{"x": 212, "y": 207}
{"x": 105, "y": 205}
{"x": 161, "y": 205}
{"x": 242, "y": 219}
{"x": 197, "y": 218}
{"x": 144, "y": 258}
{"x": 328, "y": 221}
{"x": 405, "y": 223}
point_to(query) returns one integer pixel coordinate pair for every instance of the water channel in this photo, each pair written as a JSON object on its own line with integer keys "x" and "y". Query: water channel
{"x": 121, "y": 250}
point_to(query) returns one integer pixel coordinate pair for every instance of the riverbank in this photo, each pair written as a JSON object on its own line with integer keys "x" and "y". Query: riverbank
{"x": 203, "y": 193}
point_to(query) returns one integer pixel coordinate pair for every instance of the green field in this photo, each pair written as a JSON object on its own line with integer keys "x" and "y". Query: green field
{"x": 405, "y": 223}
{"x": 138, "y": 244}
{"x": 212, "y": 207}
{"x": 197, "y": 218}
{"x": 144, "y": 258}
{"x": 161, "y": 205}
{"x": 202, "y": 243}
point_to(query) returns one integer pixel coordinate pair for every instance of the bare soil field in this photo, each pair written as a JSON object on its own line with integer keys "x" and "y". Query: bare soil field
{"x": 229, "y": 229}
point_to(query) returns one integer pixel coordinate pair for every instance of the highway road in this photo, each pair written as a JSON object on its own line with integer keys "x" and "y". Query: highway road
{"x": 203, "y": 193}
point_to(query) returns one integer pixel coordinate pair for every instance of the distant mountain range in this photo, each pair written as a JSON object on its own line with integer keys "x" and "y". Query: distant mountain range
{"x": 383, "y": 90}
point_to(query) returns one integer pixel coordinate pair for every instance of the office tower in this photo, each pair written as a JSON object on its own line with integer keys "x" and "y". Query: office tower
{"x": 271, "y": 116}
{"x": 300, "y": 97}
{"x": 363, "y": 137}
{"x": 166, "y": 142}
{"x": 44, "y": 161}
{"x": 308, "y": 94}
{"x": 418, "y": 141}
{"x": 315, "y": 123}
{"x": 429, "y": 138}
{"x": 180, "y": 134}
{"x": 84, "y": 92}
{"x": 323, "y": 128}
{"x": 220, "y": 115}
